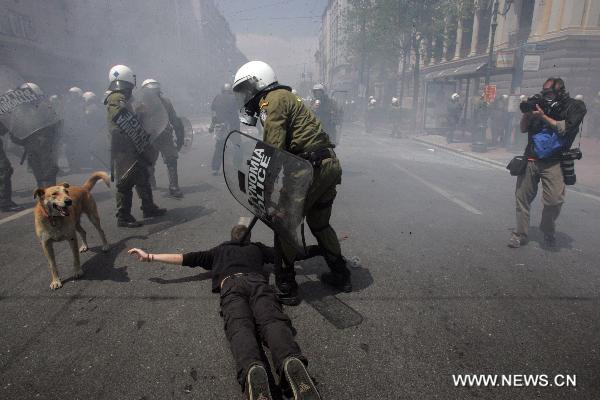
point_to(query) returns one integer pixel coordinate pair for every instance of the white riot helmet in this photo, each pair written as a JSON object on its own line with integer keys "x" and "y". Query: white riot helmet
{"x": 34, "y": 88}
{"x": 151, "y": 84}
{"x": 372, "y": 101}
{"x": 318, "y": 86}
{"x": 75, "y": 91}
{"x": 294, "y": 91}
{"x": 252, "y": 78}
{"x": 504, "y": 97}
{"x": 523, "y": 98}
{"x": 121, "y": 77}
{"x": 394, "y": 100}
{"x": 455, "y": 96}
{"x": 579, "y": 97}
{"x": 89, "y": 97}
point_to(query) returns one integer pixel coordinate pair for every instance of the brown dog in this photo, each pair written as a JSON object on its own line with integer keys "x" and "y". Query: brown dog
{"x": 57, "y": 217}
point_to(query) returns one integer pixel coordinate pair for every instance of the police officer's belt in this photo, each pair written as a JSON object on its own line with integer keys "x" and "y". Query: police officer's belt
{"x": 317, "y": 156}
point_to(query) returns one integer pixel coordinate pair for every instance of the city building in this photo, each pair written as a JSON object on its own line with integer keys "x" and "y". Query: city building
{"x": 533, "y": 41}
{"x": 186, "y": 44}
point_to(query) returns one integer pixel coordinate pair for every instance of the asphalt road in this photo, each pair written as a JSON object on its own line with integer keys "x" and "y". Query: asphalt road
{"x": 437, "y": 292}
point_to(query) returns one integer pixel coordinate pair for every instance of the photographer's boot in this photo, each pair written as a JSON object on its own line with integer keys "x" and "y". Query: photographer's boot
{"x": 257, "y": 383}
{"x": 517, "y": 240}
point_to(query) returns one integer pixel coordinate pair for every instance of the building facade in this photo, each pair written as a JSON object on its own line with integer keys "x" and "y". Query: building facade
{"x": 335, "y": 70}
{"x": 186, "y": 44}
{"x": 534, "y": 39}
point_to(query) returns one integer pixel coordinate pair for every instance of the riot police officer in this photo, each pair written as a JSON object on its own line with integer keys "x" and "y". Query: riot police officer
{"x": 40, "y": 147}
{"x": 6, "y": 171}
{"x": 225, "y": 119}
{"x": 129, "y": 162}
{"x": 74, "y": 130}
{"x": 164, "y": 143}
{"x": 325, "y": 109}
{"x": 290, "y": 125}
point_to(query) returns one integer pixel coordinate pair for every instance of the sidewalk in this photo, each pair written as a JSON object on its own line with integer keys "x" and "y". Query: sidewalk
{"x": 587, "y": 169}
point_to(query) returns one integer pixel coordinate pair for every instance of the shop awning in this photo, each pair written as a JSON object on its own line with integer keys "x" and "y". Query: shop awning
{"x": 462, "y": 71}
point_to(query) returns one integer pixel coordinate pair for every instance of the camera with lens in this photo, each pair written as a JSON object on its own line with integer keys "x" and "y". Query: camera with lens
{"x": 567, "y": 165}
{"x": 551, "y": 107}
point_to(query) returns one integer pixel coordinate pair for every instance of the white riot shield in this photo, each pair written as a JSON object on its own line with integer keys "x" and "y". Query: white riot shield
{"x": 24, "y": 113}
{"x": 188, "y": 134}
{"x": 151, "y": 112}
{"x": 270, "y": 183}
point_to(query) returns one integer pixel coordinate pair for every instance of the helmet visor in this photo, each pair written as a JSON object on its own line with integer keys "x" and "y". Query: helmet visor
{"x": 245, "y": 90}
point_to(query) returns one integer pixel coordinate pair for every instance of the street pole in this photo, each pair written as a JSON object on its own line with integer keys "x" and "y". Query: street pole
{"x": 480, "y": 145}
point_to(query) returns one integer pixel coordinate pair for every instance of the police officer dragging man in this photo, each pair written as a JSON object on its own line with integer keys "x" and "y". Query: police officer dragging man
{"x": 291, "y": 126}
{"x": 131, "y": 149}
{"x": 170, "y": 141}
{"x": 552, "y": 120}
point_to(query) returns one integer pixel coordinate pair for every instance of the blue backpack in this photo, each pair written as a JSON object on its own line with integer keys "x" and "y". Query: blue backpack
{"x": 547, "y": 143}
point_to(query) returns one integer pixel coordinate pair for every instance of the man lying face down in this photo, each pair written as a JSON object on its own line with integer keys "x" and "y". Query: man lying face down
{"x": 249, "y": 305}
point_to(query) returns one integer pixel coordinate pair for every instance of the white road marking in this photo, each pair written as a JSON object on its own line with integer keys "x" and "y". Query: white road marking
{"x": 16, "y": 216}
{"x": 444, "y": 193}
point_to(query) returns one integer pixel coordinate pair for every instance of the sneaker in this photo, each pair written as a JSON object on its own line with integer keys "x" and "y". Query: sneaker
{"x": 154, "y": 212}
{"x": 257, "y": 384}
{"x": 338, "y": 281}
{"x": 517, "y": 241}
{"x": 549, "y": 240}
{"x": 299, "y": 380}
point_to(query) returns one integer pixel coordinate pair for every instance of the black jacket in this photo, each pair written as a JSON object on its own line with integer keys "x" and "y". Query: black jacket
{"x": 230, "y": 258}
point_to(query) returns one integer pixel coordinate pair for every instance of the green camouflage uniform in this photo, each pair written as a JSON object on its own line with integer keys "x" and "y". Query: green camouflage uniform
{"x": 6, "y": 172}
{"x": 164, "y": 144}
{"x": 124, "y": 154}
{"x": 292, "y": 126}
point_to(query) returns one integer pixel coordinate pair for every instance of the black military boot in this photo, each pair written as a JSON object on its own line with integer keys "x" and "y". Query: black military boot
{"x": 287, "y": 288}
{"x": 174, "y": 189}
{"x": 128, "y": 221}
{"x": 155, "y": 211}
{"x": 339, "y": 277}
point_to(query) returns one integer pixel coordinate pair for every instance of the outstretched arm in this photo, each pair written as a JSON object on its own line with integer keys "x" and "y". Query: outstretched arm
{"x": 141, "y": 255}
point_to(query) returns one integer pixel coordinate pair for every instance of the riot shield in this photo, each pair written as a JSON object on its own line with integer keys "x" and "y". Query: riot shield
{"x": 143, "y": 127}
{"x": 270, "y": 183}
{"x": 24, "y": 113}
{"x": 188, "y": 134}
{"x": 151, "y": 112}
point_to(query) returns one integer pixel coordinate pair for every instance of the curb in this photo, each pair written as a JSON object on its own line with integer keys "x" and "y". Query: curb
{"x": 578, "y": 188}
{"x": 460, "y": 152}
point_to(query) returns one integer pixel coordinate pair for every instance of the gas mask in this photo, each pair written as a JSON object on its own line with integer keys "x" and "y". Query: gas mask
{"x": 248, "y": 117}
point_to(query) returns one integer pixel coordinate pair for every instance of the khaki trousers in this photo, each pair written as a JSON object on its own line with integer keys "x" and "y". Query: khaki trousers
{"x": 553, "y": 194}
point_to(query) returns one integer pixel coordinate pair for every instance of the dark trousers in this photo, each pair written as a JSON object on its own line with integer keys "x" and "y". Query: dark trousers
{"x": 249, "y": 305}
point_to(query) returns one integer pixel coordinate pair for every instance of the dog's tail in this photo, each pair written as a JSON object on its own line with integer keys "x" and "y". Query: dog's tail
{"x": 96, "y": 176}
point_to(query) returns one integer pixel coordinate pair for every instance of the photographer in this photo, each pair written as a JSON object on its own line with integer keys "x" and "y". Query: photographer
{"x": 551, "y": 111}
